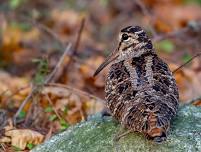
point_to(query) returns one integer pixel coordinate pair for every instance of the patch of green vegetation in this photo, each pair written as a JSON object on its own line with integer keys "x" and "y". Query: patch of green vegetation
{"x": 42, "y": 71}
{"x": 192, "y": 2}
{"x": 15, "y": 148}
{"x": 64, "y": 124}
{"x": 30, "y": 146}
{"x": 104, "y": 3}
{"x": 65, "y": 110}
{"x": 48, "y": 109}
{"x": 52, "y": 117}
{"x": 22, "y": 114}
{"x": 21, "y": 25}
{"x": 166, "y": 46}
{"x": 186, "y": 57}
{"x": 15, "y": 3}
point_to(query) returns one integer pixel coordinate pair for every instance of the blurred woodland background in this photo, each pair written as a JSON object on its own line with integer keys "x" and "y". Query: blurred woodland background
{"x": 50, "y": 49}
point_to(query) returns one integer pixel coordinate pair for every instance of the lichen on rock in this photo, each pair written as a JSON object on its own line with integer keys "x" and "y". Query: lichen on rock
{"x": 96, "y": 135}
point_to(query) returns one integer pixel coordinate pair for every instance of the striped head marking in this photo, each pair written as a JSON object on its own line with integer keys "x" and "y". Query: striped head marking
{"x": 133, "y": 42}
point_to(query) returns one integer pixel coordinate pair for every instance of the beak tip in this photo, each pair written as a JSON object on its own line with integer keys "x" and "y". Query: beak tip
{"x": 95, "y": 74}
{"x": 104, "y": 64}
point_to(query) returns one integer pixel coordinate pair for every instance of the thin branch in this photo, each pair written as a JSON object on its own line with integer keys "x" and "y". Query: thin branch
{"x": 50, "y": 102}
{"x": 3, "y": 147}
{"x": 49, "y": 134}
{"x": 181, "y": 66}
{"x": 77, "y": 42}
{"x": 52, "y": 74}
{"x": 23, "y": 104}
{"x": 48, "y": 79}
{"x": 78, "y": 36}
{"x": 4, "y": 92}
{"x": 44, "y": 28}
{"x": 195, "y": 27}
{"x": 76, "y": 90}
{"x": 73, "y": 51}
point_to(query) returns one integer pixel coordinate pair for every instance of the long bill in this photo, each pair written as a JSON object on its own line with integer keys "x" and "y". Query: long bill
{"x": 108, "y": 60}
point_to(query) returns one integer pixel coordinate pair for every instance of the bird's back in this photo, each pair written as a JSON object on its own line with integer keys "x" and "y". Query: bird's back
{"x": 142, "y": 95}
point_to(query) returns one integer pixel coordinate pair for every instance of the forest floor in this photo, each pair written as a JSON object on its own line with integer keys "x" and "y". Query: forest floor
{"x": 49, "y": 51}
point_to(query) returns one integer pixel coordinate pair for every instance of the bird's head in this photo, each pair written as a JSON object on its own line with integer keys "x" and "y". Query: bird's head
{"x": 133, "y": 42}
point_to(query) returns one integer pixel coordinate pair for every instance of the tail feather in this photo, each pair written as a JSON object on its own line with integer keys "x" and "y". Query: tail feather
{"x": 155, "y": 132}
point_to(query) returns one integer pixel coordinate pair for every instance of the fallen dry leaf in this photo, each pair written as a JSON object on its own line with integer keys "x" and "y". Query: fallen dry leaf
{"x": 12, "y": 39}
{"x": 21, "y": 137}
{"x": 77, "y": 103}
{"x": 8, "y": 82}
{"x": 188, "y": 81}
{"x": 5, "y": 140}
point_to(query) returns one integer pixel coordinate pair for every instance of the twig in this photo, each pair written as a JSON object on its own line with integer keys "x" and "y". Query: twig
{"x": 181, "y": 66}
{"x": 75, "y": 90}
{"x": 51, "y": 75}
{"x": 49, "y": 134}
{"x": 50, "y": 32}
{"x": 48, "y": 79}
{"x": 23, "y": 104}
{"x": 4, "y": 92}
{"x": 3, "y": 147}
{"x": 77, "y": 42}
{"x": 73, "y": 51}
{"x": 44, "y": 28}
{"x": 50, "y": 102}
{"x": 195, "y": 27}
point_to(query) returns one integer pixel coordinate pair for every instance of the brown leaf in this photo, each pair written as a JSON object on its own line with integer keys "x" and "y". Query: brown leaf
{"x": 21, "y": 137}
{"x": 77, "y": 103}
{"x": 188, "y": 81}
{"x": 5, "y": 140}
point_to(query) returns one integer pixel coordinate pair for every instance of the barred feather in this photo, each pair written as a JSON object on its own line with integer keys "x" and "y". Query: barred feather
{"x": 141, "y": 91}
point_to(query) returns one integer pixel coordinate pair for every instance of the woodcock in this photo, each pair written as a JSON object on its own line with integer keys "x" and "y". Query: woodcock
{"x": 141, "y": 92}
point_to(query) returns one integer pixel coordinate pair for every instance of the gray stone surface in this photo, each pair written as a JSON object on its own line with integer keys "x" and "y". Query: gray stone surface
{"x": 96, "y": 135}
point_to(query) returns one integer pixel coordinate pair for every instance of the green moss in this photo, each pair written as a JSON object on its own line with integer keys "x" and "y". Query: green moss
{"x": 96, "y": 135}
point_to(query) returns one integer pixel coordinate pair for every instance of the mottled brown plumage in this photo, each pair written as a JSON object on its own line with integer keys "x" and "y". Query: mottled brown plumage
{"x": 141, "y": 92}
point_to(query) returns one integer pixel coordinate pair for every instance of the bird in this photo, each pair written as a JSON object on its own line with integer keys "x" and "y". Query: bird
{"x": 140, "y": 90}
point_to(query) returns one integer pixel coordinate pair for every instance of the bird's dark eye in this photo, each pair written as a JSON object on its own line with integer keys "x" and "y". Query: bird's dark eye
{"x": 124, "y": 37}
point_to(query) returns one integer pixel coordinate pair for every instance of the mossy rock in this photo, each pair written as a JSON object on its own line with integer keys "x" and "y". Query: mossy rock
{"x": 96, "y": 135}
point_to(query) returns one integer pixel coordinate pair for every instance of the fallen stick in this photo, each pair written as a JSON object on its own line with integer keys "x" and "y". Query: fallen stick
{"x": 76, "y": 90}
{"x": 48, "y": 79}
